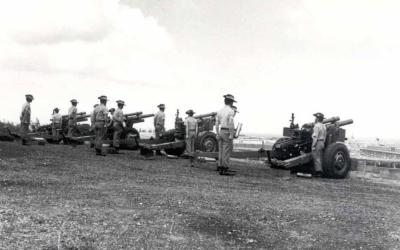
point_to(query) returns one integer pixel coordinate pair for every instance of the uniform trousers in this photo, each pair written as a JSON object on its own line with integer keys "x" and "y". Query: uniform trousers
{"x": 71, "y": 128}
{"x": 225, "y": 147}
{"x": 317, "y": 155}
{"x": 24, "y": 130}
{"x": 117, "y": 134}
{"x": 55, "y": 130}
{"x": 100, "y": 131}
{"x": 158, "y": 130}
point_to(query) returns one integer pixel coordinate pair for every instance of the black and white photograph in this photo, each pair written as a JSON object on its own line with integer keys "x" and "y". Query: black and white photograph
{"x": 199, "y": 124}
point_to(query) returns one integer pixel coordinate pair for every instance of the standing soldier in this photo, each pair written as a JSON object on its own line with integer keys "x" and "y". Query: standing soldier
{"x": 318, "y": 144}
{"x": 25, "y": 118}
{"x": 159, "y": 122}
{"x": 100, "y": 115}
{"x": 225, "y": 132}
{"x": 191, "y": 127}
{"x": 118, "y": 124}
{"x": 72, "y": 113}
{"x": 56, "y": 120}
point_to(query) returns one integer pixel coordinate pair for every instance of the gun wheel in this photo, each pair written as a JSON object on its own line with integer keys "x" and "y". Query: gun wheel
{"x": 207, "y": 142}
{"x": 336, "y": 161}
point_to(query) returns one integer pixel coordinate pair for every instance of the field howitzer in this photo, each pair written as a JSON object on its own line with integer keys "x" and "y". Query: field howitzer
{"x": 129, "y": 138}
{"x": 294, "y": 148}
{"x": 47, "y": 130}
{"x": 206, "y": 139}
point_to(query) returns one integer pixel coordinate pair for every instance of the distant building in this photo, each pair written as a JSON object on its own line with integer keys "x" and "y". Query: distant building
{"x": 384, "y": 152}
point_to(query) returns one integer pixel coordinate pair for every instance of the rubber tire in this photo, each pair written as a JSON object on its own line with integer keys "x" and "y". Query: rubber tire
{"x": 175, "y": 151}
{"x": 275, "y": 154}
{"x": 336, "y": 153}
{"x": 124, "y": 135}
{"x": 202, "y": 139}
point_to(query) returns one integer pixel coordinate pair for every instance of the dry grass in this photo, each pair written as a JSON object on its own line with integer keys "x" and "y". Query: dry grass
{"x": 58, "y": 197}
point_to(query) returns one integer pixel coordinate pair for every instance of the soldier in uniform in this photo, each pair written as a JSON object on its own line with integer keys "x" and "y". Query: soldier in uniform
{"x": 100, "y": 115}
{"x": 72, "y": 113}
{"x": 56, "y": 120}
{"x": 318, "y": 144}
{"x": 191, "y": 126}
{"x": 110, "y": 118}
{"x": 118, "y": 124}
{"x": 92, "y": 116}
{"x": 225, "y": 133}
{"x": 25, "y": 118}
{"x": 159, "y": 123}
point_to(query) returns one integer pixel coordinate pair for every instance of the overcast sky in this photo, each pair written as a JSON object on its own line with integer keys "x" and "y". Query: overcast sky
{"x": 275, "y": 56}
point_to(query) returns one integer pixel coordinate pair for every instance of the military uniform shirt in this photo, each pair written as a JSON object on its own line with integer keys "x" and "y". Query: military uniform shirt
{"x": 101, "y": 113}
{"x": 57, "y": 118}
{"x": 72, "y": 111}
{"x": 159, "y": 119}
{"x": 118, "y": 115}
{"x": 225, "y": 117}
{"x": 26, "y": 113}
{"x": 190, "y": 123}
{"x": 319, "y": 131}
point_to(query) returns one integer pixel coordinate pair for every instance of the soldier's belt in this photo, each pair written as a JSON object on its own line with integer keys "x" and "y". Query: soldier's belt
{"x": 224, "y": 128}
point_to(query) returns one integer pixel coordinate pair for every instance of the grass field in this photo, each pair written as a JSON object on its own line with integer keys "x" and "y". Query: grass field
{"x": 59, "y": 197}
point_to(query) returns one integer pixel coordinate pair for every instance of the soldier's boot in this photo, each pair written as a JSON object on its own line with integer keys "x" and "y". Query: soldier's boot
{"x": 98, "y": 151}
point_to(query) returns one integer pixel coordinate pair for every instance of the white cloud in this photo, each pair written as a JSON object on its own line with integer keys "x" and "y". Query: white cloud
{"x": 95, "y": 37}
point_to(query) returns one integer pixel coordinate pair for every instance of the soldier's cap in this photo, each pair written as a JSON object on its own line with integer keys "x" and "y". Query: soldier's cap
{"x": 120, "y": 102}
{"x": 230, "y": 97}
{"x": 319, "y": 115}
{"x": 56, "y": 109}
{"x": 74, "y": 101}
{"x": 161, "y": 105}
{"x": 235, "y": 109}
{"x": 111, "y": 110}
{"x": 29, "y": 96}
{"x": 103, "y": 97}
{"x": 190, "y": 112}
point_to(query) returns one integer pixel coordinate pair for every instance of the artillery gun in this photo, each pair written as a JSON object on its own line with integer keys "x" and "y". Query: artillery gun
{"x": 82, "y": 129}
{"x": 173, "y": 140}
{"x": 130, "y": 136}
{"x": 294, "y": 148}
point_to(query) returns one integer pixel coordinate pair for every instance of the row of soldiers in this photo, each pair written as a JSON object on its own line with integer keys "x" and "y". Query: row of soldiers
{"x": 224, "y": 128}
{"x": 99, "y": 123}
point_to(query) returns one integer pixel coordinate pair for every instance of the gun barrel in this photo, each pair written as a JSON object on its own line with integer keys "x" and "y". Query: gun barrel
{"x": 77, "y": 114}
{"x": 325, "y": 121}
{"x": 145, "y": 116}
{"x": 133, "y": 114}
{"x": 341, "y": 123}
{"x": 82, "y": 116}
{"x": 344, "y": 123}
{"x": 212, "y": 114}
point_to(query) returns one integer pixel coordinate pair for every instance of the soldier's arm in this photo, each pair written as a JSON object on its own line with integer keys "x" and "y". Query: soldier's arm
{"x": 231, "y": 125}
{"x": 315, "y": 136}
{"x": 217, "y": 122}
{"x": 197, "y": 127}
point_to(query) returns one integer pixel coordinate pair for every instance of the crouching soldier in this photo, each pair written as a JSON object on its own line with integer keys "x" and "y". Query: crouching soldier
{"x": 118, "y": 125}
{"x": 318, "y": 144}
{"x": 191, "y": 126}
